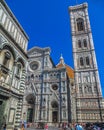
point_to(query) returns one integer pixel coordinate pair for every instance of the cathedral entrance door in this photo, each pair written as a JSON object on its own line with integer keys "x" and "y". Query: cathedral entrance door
{"x": 54, "y": 111}
{"x": 30, "y": 111}
{"x": 29, "y": 114}
{"x": 55, "y": 116}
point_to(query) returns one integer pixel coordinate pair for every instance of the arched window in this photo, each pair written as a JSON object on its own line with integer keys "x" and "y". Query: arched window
{"x": 81, "y": 61}
{"x": 86, "y": 89}
{"x": 84, "y": 42}
{"x": 7, "y": 58}
{"x": 80, "y": 24}
{"x": 87, "y": 61}
{"x": 79, "y": 44}
{"x": 43, "y": 101}
{"x": 80, "y": 89}
{"x": 18, "y": 69}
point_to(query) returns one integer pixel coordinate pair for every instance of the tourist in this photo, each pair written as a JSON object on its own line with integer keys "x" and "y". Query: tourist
{"x": 4, "y": 127}
{"x": 46, "y": 127}
{"x": 78, "y": 127}
{"x": 22, "y": 127}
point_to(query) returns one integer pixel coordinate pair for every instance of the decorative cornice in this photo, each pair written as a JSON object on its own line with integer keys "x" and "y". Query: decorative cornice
{"x": 78, "y": 7}
{"x": 13, "y": 17}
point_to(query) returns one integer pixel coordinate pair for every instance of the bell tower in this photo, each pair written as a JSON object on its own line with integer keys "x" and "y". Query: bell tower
{"x": 87, "y": 83}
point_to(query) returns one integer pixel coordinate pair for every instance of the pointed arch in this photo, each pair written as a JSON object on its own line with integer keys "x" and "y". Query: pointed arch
{"x": 84, "y": 42}
{"x": 80, "y": 24}
{"x": 21, "y": 61}
{"x": 7, "y": 47}
{"x": 79, "y": 44}
{"x": 81, "y": 61}
{"x": 87, "y": 61}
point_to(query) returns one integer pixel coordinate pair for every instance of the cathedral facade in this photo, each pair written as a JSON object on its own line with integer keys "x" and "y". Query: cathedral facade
{"x": 34, "y": 89}
{"x": 47, "y": 94}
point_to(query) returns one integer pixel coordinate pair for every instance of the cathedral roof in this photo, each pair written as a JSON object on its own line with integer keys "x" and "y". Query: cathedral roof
{"x": 69, "y": 70}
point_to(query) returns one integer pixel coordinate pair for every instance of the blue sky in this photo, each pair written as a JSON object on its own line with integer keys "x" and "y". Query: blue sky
{"x": 47, "y": 23}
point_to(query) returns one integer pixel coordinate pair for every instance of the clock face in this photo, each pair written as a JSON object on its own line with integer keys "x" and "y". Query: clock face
{"x": 34, "y": 65}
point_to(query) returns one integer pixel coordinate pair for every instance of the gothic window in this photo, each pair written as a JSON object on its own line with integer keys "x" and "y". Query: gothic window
{"x": 19, "y": 67}
{"x": 81, "y": 61}
{"x": 87, "y": 61}
{"x": 80, "y": 89}
{"x": 54, "y": 104}
{"x": 79, "y": 44}
{"x": 7, "y": 58}
{"x": 80, "y": 24}
{"x": 64, "y": 114}
{"x": 44, "y": 101}
{"x": 85, "y": 88}
{"x": 85, "y": 43}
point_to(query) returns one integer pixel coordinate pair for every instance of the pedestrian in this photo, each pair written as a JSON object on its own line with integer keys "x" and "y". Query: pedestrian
{"x": 15, "y": 128}
{"x": 22, "y": 127}
{"x": 4, "y": 127}
{"x": 79, "y": 127}
{"x": 46, "y": 127}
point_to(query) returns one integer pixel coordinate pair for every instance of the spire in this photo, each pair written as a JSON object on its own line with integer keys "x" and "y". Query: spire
{"x": 62, "y": 60}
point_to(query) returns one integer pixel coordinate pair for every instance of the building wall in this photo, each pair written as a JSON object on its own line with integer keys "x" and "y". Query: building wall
{"x": 13, "y": 60}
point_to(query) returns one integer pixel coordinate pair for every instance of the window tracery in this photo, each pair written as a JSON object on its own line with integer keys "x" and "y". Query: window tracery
{"x": 81, "y": 61}
{"x": 87, "y": 61}
{"x": 7, "y": 58}
{"x": 80, "y": 24}
{"x": 79, "y": 44}
{"x": 84, "y": 42}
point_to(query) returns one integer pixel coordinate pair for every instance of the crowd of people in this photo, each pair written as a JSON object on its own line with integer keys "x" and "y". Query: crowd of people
{"x": 69, "y": 126}
{"x": 81, "y": 126}
{"x": 64, "y": 126}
